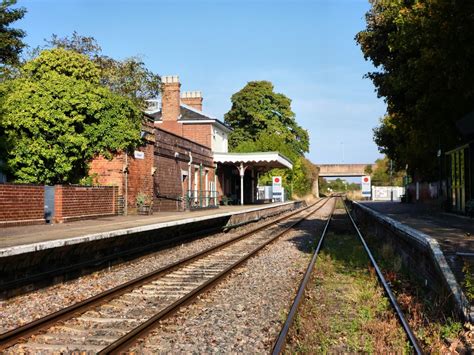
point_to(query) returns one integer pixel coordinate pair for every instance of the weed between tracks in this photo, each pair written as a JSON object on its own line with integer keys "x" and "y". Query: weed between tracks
{"x": 345, "y": 309}
{"x": 436, "y": 329}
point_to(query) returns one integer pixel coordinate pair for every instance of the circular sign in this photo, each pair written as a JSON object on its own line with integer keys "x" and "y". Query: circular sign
{"x": 277, "y": 180}
{"x": 366, "y": 179}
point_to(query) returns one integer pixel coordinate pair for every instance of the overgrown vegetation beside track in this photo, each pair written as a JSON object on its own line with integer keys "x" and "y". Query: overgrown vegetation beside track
{"x": 437, "y": 330}
{"x": 435, "y": 327}
{"x": 345, "y": 308}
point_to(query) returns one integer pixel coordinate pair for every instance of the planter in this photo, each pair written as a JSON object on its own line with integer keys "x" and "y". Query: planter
{"x": 144, "y": 210}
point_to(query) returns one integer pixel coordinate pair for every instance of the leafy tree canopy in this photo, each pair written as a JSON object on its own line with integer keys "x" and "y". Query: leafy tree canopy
{"x": 337, "y": 185}
{"x": 263, "y": 121}
{"x": 423, "y": 52}
{"x": 10, "y": 38}
{"x": 56, "y": 117}
{"x": 128, "y": 77}
{"x": 257, "y": 111}
{"x": 381, "y": 174}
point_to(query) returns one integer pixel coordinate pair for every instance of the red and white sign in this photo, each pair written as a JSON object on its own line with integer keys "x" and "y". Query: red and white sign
{"x": 366, "y": 186}
{"x": 276, "y": 184}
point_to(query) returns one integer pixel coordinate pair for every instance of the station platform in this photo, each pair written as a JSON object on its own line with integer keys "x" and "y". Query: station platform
{"x": 40, "y": 253}
{"x": 91, "y": 229}
{"x": 447, "y": 239}
{"x": 455, "y": 234}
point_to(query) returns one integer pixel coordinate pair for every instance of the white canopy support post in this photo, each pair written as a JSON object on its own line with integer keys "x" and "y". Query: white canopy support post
{"x": 242, "y": 173}
{"x": 253, "y": 185}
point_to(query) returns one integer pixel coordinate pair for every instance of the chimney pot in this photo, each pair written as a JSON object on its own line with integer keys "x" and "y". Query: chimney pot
{"x": 191, "y": 94}
{"x": 193, "y": 99}
{"x": 170, "y": 79}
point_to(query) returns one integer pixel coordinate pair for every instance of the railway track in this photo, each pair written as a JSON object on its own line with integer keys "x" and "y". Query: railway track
{"x": 280, "y": 343}
{"x": 111, "y": 321}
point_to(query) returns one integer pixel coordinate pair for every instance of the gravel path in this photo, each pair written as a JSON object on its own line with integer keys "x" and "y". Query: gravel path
{"x": 245, "y": 312}
{"x": 26, "y": 308}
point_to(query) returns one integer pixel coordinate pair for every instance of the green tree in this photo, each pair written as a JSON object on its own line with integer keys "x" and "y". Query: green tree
{"x": 128, "y": 77}
{"x": 304, "y": 173}
{"x": 337, "y": 185}
{"x": 423, "y": 52}
{"x": 258, "y": 111}
{"x": 262, "y": 120}
{"x": 56, "y": 117}
{"x": 368, "y": 169}
{"x": 381, "y": 174}
{"x": 267, "y": 141}
{"x": 10, "y": 38}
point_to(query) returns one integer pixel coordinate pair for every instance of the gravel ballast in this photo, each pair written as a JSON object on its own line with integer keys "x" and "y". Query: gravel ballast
{"x": 245, "y": 312}
{"x": 20, "y": 310}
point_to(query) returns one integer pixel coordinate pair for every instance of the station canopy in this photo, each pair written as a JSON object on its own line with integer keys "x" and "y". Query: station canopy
{"x": 258, "y": 160}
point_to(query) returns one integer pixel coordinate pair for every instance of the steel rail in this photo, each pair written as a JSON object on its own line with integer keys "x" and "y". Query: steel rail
{"x": 143, "y": 329}
{"x": 281, "y": 340}
{"x": 106, "y": 259}
{"x": 388, "y": 291}
{"x": 11, "y": 337}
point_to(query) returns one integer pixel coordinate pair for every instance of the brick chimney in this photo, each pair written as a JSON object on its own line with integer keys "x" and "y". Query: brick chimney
{"x": 193, "y": 99}
{"x": 170, "y": 105}
{"x": 170, "y": 98}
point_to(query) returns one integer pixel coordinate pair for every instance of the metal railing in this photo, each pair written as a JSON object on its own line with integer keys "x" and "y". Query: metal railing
{"x": 196, "y": 199}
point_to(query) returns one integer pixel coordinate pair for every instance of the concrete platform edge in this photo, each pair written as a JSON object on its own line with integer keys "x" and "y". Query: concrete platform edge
{"x": 437, "y": 254}
{"x": 28, "y": 248}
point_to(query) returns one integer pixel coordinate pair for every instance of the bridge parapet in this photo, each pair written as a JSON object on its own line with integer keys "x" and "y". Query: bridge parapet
{"x": 343, "y": 170}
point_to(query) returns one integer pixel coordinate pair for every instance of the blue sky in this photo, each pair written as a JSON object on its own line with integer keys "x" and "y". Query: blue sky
{"x": 306, "y": 48}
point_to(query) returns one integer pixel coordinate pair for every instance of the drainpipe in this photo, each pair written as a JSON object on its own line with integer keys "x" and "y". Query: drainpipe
{"x": 189, "y": 179}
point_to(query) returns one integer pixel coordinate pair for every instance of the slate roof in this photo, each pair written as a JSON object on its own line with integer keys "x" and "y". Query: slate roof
{"x": 189, "y": 114}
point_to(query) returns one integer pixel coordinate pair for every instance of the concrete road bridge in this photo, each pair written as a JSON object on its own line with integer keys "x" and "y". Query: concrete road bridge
{"x": 343, "y": 170}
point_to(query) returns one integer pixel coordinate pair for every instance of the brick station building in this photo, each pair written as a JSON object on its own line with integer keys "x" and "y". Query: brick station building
{"x": 158, "y": 170}
{"x": 184, "y": 162}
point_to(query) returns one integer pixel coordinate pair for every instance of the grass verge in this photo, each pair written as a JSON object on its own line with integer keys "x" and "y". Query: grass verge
{"x": 345, "y": 309}
{"x": 438, "y": 330}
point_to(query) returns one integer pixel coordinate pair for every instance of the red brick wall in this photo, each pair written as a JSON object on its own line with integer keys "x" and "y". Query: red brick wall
{"x": 108, "y": 172}
{"x": 199, "y": 133}
{"x": 21, "y": 204}
{"x": 140, "y": 176}
{"x": 158, "y": 175}
{"x": 78, "y": 202}
{"x": 171, "y": 158}
{"x": 168, "y": 184}
{"x": 174, "y": 127}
